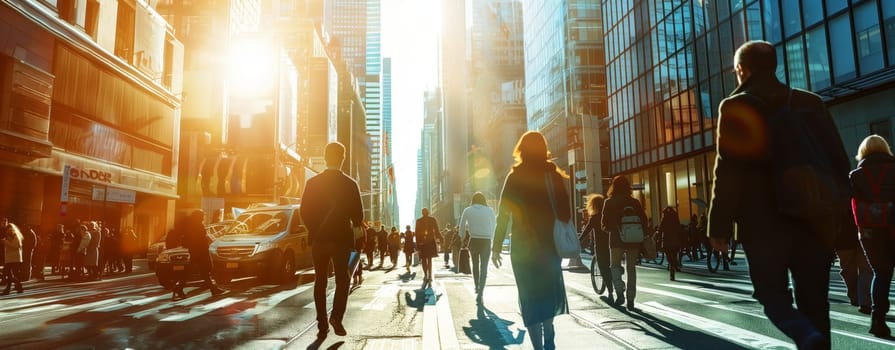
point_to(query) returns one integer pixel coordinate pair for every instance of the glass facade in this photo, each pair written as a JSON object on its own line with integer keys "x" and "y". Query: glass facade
{"x": 670, "y": 63}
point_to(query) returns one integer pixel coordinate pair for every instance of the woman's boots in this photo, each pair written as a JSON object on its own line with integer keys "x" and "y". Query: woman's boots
{"x": 879, "y": 328}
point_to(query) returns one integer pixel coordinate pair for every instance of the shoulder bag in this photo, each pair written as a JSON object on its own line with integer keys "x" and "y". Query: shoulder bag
{"x": 565, "y": 235}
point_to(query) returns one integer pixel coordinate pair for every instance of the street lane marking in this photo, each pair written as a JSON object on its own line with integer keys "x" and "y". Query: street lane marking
{"x": 447, "y": 334}
{"x": 272, "y": 302}
{"x": 383, "y": 295}
{"x": 202, "y": 310}
{"x": 26, "y": 303}
{"x": 739, "y": 335}
{"x": 184, "y": 302}
{"x": 91, "y": 305}
{"x": 129, "y": 303}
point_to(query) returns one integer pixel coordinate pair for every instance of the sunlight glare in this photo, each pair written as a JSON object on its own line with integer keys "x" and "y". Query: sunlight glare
{"x": 251, "y": 67}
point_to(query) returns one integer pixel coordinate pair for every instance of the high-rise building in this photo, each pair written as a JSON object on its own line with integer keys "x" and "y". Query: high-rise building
{"x": 455, "y": 112}
{"x": 89, "y": 125}
{"x": 431, "y": 192}
{"x": 390, "y": 208}
{"x": 566, "y": 86}
{"x": 670, "y": 64}
{"x": 497, "y": 116}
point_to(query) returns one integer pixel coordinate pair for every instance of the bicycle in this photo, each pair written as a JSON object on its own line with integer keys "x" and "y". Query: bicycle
{"x": 596, "y": 279}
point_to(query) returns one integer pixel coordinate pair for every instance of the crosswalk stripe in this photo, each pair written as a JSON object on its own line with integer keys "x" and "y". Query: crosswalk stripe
{"x": 381, "y": 297}
{"x": 26, "y": 302}
{"x": 184, "y": 302}
{"x": 722, "y": 330}
{"x": 201, "y": 310}
{"x": 126, "y": 304}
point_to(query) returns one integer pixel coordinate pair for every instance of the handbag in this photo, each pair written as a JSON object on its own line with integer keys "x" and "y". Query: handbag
{"x": 565, "y": 235}
{"x": 649, "y": 248}
{"x": 353, "y": 262}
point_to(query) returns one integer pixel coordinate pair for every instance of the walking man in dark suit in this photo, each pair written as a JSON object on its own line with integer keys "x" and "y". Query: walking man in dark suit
{"x": 330, "y": 206}
{"x": 776, "y": 245}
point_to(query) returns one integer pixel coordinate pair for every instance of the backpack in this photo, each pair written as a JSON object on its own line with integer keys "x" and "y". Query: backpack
{"x": 806, "y": 185}
{"x": 630, "y": 228}
{"x": 874, "y": 213}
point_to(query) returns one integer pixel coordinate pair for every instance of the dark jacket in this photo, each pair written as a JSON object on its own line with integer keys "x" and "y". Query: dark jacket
{"x": 743, "y": 190}
{"x": 670, "y": 226}
{"x": 612, "y": 217}
{"x": 330, "y": 205}
{"x": 873, "y": 164}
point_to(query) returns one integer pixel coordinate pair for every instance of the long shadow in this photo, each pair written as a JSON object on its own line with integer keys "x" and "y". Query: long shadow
{"x": 406, "y": 277}
{"x": 674, "y": 335}
{"x": 418, "y": 301}
{"x": 490, "y": 330}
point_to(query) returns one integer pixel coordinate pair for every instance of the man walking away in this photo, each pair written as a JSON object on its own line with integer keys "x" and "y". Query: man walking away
{"x": 749, "y": 181}
{"x": 478, "y": 221}
{"x": 331, "y": 205}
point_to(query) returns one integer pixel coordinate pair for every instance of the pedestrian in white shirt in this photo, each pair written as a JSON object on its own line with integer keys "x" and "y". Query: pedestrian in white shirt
{"x": 478, "y": 221}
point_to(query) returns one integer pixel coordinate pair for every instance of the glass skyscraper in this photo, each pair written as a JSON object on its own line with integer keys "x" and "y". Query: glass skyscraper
{"x": 670, "y": 63}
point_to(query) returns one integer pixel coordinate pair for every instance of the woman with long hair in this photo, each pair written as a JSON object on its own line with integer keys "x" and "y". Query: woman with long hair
{"x": 620, "y": 203}
{"x": 426, "y": 234}
{"x": 12, "y": 256}
{"x": 599, "y": 238}
{"x": 875, "y": 161}
{"x": 526, "y": 199}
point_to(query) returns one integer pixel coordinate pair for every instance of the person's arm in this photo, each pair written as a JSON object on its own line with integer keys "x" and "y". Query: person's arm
{"x": 504, "y": 214}
{"x": 728, "y": 172}
{"x": 464, "y": 224}
{"x": 357, "y": 205}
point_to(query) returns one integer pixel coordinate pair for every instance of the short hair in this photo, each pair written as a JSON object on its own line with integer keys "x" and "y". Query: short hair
{"x": 872, "y": 144}
{"x": 334, "y": 153}
{"x": 425, "y": 211}
{"x": 479, "y": 198}
{"x": 758, "y": 56}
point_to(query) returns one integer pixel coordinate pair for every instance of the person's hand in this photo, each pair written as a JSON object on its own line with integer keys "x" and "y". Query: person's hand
{"x": 719, "y": 244}
{"x": 496, "y": 260}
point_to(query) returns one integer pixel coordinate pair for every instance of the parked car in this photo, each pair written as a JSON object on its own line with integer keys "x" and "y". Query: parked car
{"x": 266, "y": 241}
{"x": 170, "y": 262}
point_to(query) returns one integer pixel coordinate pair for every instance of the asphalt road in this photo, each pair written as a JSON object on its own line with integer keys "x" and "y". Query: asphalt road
{"x": 700, "y": 310}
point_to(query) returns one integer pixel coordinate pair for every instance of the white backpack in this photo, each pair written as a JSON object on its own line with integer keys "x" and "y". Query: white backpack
{"x": 630, "y": 228}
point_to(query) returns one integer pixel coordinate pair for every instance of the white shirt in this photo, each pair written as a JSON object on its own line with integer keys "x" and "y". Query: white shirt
{"x": 479, "y": 220}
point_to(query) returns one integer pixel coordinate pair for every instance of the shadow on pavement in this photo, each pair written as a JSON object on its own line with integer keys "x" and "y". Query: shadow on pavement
{"x": 490, "y": 330}
{"x": 406, "y": 277}
{"x": 418, "y": 301}
{"x": 677, "y": 336}
{"x": 319, "y": 342}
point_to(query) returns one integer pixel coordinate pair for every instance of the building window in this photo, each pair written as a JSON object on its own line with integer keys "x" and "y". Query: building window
{"x": 792, "y": 22}
{"x": 834, "y": 6}
{"x": 812, "y": 11}
{"x": 882, "y": 128}
{"x": 841, "y": 42}
{"x": 124, "y": 32}
{"x": 868, "y": 38}
{"x": 67, "y": 10}
{"x": 753, "y": 21}
{"x": 818, "y": 59}
{"x": 795, "y": 62}
{"x": 92, "y": 19}
{"x": 772, "y": 30}
{"x": 889, "y": 25}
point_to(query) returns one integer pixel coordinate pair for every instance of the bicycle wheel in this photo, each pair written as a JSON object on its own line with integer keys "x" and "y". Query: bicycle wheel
{"x": 713, "y": 260}
{"x": 660, "y": 257}
{"x": 596, "y": 279}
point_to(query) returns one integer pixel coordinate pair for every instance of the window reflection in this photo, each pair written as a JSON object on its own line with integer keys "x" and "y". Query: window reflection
{"x": 889, "y": 25}
{"x": 867, "y": 38}
{"x": 840, "y": 41}
{"x": 818, "y": 60}
{"x": 795, "y": 61}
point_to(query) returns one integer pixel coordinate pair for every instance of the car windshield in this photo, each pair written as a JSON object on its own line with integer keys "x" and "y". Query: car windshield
{"x": 265, "y": 222}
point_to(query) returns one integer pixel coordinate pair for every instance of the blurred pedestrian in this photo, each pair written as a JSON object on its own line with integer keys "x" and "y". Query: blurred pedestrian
{"x": 478, "y": 222}
{"x": 408, "y": 247}
{"x": 426, "y": 235}
{"x": 196, "y": 240}
{"x": 79, "y": 255}
{"x": 331, "y": 206}
{"x": 370, "y": 245}
{"x": 618, "y": 206}
{"x": 536, "y": 264}
{"x": 599, "y": 239}
{"x": 448, "y": 235}
{"x": 91, "y": 261}
{"x": 382, "y": 244}
{"x": 670, "y": 229}
{"x": 778, "y": 244}
{"x": 29, "y": 243}
{"x": 54, "y": 257}
{"x": 129, "y": 247}
{"x": 360, "y": 243}
{"x": 12, "y": 255}
{"x": 875, "y": 162}
{"x": 394, "y": 245}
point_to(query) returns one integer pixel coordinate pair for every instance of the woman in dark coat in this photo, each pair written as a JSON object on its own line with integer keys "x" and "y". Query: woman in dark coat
{"x": 874, "y": 157}
{"x": 613, "y": 210}
{"x": 536, "y": 265}
{"x": 670, "y": 227}
{"x": 600, "y": 239}
{"x": 408, "y": 247}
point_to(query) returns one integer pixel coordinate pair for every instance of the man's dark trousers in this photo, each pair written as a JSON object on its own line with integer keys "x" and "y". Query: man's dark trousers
{"x": 323, "y": 253}
{"x": 772, "y": 257}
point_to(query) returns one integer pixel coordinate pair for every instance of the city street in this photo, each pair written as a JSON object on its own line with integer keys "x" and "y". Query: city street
{"x": 388, "y": 311}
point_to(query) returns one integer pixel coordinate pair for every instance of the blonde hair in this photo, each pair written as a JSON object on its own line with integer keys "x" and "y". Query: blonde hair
{"x": 872, "y": 144}
{"x": 595, "y": 204}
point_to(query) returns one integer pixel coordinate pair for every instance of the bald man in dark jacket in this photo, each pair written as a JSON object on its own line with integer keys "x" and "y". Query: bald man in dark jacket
{"x": 331, "y": 205}
{"x": 776, "y": 245}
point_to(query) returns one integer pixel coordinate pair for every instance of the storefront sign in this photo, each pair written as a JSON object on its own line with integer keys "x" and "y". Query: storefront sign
{"x": 120, "y": 196}
{"x": 91, "y": 174}
{"x": 99, "y": 193}
{"x": 66, "y": 180}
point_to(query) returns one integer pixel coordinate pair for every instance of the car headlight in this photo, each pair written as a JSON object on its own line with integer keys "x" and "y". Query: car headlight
{"x": 163, "y": 258}
{"x": 262, "y": 247}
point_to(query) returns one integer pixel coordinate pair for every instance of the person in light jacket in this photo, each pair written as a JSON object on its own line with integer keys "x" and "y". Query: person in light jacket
{"x": 94, "y": 271}
{"x": 478, "y": 222}
{"x": 12, "y": 256}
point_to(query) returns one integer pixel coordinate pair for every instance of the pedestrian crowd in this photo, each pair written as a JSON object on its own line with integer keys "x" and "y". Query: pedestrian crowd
{"x": 85, "y": 253}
